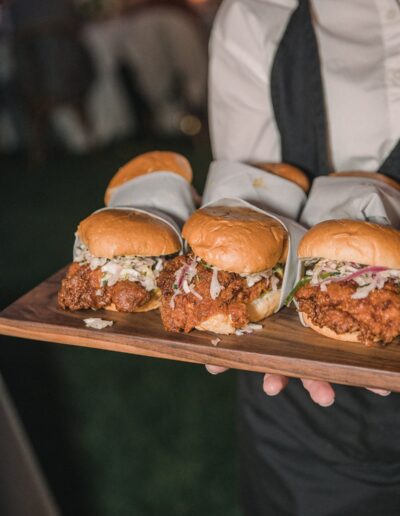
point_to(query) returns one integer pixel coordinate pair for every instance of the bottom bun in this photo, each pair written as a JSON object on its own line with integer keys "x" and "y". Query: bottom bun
{"x": 327, "y": 332}
{"x": 258, "y": 309}
{"x": 219, "y": 323}
{"x": 264, "y": 306}
{"x": 153, "y": 304}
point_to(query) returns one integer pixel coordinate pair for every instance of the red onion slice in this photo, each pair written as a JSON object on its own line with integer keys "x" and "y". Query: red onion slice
{"x": 371, "y": 269}
{"x": 182, "y": 275}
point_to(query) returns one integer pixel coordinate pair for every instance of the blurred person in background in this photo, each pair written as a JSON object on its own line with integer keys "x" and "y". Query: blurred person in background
{"x": 162, "y": 48}
{"x": 206, "y": 9}
{"x": 53, "y": 73}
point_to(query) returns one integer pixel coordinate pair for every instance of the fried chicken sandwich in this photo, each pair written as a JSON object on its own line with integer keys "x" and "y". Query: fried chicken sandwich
{"x": 232, "y": 275}
{"x": 350, "y": 287}
{"x": 118, "y": 256}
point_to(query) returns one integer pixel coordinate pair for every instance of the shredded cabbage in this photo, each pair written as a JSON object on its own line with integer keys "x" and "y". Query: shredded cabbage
{"x": 97, "y": 323}
{"x": 248, "y": 329}
{"x": 368, "y": 278}
{"x": 185, "y": 275}
{"x": 215, "y": 285}
{"x": 143, "y": 270}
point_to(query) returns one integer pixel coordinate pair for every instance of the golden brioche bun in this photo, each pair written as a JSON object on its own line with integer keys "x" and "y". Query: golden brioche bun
{"x": 264, "y": 306}
{"x": 352, "y": 241}
{"x": 327, "y": 332}
{"x": 289, "y": 172}
{"x": 146, "y": 164}
{"x": 153, "y": 304}
{"x": 111, "y": 233}
{"x": 369, "y": 175}
{"x": 236, "y": 239}
{"x": 218, "y": 323}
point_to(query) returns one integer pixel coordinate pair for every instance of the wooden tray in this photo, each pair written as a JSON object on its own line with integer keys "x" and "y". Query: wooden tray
{"x": 283, "y": 346}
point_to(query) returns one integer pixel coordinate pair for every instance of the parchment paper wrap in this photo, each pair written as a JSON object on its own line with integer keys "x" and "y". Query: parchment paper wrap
{"x": 299, "y": 274}
{"x": 256, "y": 186}
{"x": 151, "y": 211}
{"x": 358, "y": 198}
{"x": 164, "y": 191}
{"x": 295, "y": 232}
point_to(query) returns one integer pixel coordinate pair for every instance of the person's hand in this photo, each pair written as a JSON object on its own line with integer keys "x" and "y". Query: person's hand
{"x": 322, "y": 393}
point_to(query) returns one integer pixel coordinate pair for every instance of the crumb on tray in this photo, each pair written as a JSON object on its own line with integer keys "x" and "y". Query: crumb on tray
{"x": 97, "y": 323}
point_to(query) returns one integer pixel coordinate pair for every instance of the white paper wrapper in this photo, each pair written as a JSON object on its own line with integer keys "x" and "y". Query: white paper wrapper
{"x": 358, "y": 198}
{"x": 151, "y": 211}
{"x": 164, "y": 191}
{"x": 260, "y": 188}
{"x": 299, "y": 275}
{"x": 295, "y": 232}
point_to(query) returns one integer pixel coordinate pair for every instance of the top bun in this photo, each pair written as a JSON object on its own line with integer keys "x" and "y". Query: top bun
{"x": 147, "y": 163}
{"x": 111, "y": 233}
{"x": 236, "y": 239}
{"x": 370, "y": 175}
{"x": 293, "y": 174}
{"x": 352, "y": 241}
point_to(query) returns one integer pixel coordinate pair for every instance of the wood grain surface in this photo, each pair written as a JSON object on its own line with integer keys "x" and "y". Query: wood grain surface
{"x": 282, "y": 346}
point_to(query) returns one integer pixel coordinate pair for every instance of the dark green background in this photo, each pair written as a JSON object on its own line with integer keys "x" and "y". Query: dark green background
{"x": 115, "y": 434}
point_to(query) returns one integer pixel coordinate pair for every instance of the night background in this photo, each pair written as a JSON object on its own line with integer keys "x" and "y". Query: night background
{"x": 84, "y": 87}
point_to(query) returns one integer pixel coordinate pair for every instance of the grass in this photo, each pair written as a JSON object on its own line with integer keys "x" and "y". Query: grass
{"x": 115, "y": 434}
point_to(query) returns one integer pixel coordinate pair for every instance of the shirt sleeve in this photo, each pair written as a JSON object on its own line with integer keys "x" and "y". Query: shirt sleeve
{"x": 242, "y": 47}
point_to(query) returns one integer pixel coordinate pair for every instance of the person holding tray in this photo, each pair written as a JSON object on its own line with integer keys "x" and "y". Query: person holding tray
{"x": 315, "y": 84}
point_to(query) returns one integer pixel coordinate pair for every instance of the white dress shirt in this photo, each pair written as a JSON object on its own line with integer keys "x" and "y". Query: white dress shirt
{"x": 359, "y": 45}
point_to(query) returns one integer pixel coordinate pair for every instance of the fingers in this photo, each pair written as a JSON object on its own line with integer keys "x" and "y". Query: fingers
{"x": 321, "y": 393}
{"x": 215, "y": 369}
{"x": 381, "y": 392}
{"x": 274, "y": 383}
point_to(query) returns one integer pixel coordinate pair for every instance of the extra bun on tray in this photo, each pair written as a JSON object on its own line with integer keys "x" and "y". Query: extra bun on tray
{"x": 289, "y": 172}
{"x": 118, "y": 258}
{"x": 231, "y": 277}
{"x": 350, "y": 289}
{"x": 148, "y": 163}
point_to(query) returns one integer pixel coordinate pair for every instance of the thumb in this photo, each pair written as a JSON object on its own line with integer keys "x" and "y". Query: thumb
{"x": 215, "y": 369}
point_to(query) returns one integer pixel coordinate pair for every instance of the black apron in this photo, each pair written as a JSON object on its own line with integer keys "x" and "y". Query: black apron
{"x": 296, "y": 458}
